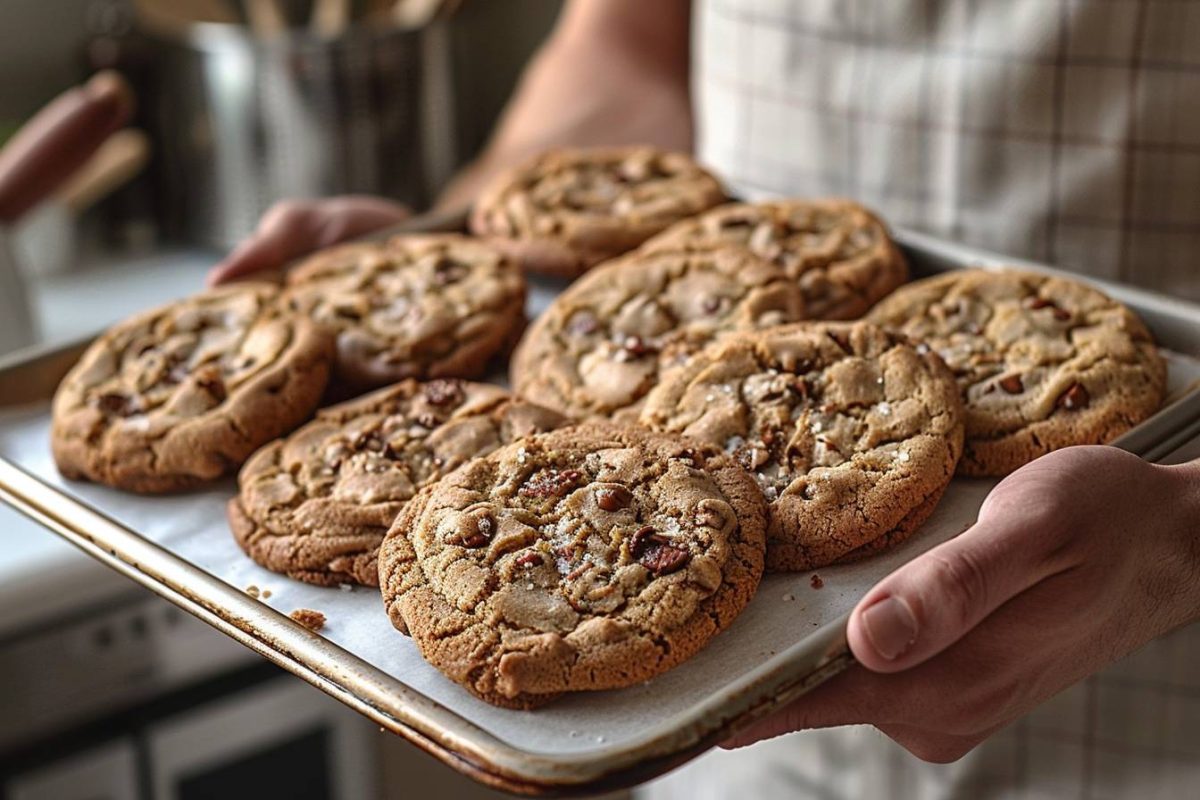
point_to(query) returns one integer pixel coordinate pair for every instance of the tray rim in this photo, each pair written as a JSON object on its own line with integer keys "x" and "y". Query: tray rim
{"x": 446, "y": 734}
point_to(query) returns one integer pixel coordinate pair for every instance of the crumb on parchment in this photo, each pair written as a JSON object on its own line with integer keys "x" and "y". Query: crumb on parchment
{"x": 252, "y": 590}
{"x": 313, "y": 620}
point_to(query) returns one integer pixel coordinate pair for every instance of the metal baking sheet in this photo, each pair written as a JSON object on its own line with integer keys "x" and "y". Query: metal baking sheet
{"x": 790, "y": 638}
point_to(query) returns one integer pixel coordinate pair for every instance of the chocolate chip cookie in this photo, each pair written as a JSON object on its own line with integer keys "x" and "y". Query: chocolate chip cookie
{"x": 185, "y": 393}
{"x": 1043, "y": 362}
{"x": 593, "y": 557}
{"x": 427, "y": 306}
{"x": 839, "y": 252}
{"x": 315, "y": 506}
{"x": 851, "y": 433}
{"x": 599, "y": 348}
{"x": 567, "y": 210}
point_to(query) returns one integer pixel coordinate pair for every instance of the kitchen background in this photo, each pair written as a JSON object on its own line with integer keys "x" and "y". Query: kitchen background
{"x": 108, "y": 693}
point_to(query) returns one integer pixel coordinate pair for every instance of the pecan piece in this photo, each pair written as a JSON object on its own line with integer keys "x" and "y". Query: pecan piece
{"x": 613, "y": 498}
{"x": 444, "y": 392}
{"x": 475, "y": 532}
{"x": 529, "y": 560}
{"x": 657, "y": 553}
{"x": 550, "y": 483}
{"x": 1073, "y": 398}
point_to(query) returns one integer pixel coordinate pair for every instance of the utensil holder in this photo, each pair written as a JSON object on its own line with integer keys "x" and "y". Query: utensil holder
{"x": 244, "y": 122}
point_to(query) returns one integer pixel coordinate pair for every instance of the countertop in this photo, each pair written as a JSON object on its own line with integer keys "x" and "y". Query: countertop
{"x": 41, "y": 576}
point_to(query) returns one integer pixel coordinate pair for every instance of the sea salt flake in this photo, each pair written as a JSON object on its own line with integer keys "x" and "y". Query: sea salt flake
{"x": 903, "y": 456}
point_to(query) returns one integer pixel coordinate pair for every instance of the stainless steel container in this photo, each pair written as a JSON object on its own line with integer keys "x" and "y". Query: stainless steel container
{"x": 243, "y": 122}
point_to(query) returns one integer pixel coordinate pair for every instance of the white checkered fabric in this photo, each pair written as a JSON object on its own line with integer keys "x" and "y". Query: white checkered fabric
{"x": 1065, "y": 131}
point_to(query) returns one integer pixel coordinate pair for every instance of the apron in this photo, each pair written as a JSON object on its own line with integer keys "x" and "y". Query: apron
{"x": 1065, "y": 131}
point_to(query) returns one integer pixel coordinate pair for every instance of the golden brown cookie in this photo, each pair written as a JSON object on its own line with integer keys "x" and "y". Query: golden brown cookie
{"x": 185, "y": 393}
{"x": 316, "y": 505}
{"x": 428, "y": 306}
{"x": 567, "y": 210}
{"x": 599, "y": 348}
{"x": 593, "y": 557}
{"x": 852, "y": 434}
{"x": 1043, "y": 362}
{"x": 839, "y": 252}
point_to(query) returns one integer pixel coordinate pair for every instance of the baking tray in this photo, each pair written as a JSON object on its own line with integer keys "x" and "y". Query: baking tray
{"x": 789, "y": 639}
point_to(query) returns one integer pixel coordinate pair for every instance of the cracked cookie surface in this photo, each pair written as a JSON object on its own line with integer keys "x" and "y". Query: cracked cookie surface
{"x": 851, "y": 433}
{"x": 316, "y": 505}
{"x": 418, "y": 306}
{"x": 838, "y": 251}
{"x": 567, "y": 210}
{"x": 1043, "y": 362}
{"x": 600, "y": 346}
{"x": 593, "y": 557}
{"x": 185, "y": 393}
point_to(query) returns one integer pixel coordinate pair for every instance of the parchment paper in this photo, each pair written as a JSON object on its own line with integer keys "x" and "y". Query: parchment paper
{"x": 786, "y": 609}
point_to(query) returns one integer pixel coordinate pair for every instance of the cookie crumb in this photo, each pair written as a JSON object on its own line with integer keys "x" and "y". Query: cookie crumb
{"x": 252, "y": 590}
{"x": 789, "y": 597}
{"x": 313, "y": 620}
{"x": 345, "y": 587}
{"x": 266, "y": 593}
{"x": 816, "y": 582}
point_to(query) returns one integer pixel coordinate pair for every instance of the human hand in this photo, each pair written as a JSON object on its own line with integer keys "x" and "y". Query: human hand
{"x": 1076, "y": 560}
{"x": 297, "y": 227}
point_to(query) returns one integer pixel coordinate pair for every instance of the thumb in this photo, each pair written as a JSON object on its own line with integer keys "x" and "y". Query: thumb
{"x": 933, "y": 601}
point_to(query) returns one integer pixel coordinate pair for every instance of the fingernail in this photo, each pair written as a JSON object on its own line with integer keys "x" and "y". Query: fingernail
{"x": 891, "y": 627}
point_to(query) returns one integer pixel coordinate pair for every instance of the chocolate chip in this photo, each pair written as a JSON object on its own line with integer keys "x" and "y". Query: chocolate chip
{"x": 118, "y": 404}
{"x": 752, "y": 456}
{"x": 448, "y": 271}
{"x": 443, "y": 392}
{"x": 476, "y": 532}
{"x": 1073, "y": 398}
{"x": 1012, "y": 384}
{"x": 550, "y": 483}
{"x": 1060, "y": 314}
{"x": 529, "y": 560}
{"x": 636, "y": 346}
{"x": 613, "y": 498}
{"x": 656, "y": 553}
{"x": 841, "y": 341}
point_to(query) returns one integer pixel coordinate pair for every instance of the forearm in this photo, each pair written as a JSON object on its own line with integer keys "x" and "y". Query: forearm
{"x": 613, "y": 72}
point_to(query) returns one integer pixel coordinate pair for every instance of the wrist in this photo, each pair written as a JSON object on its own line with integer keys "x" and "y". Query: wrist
{"x": 1184, "y": 530}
